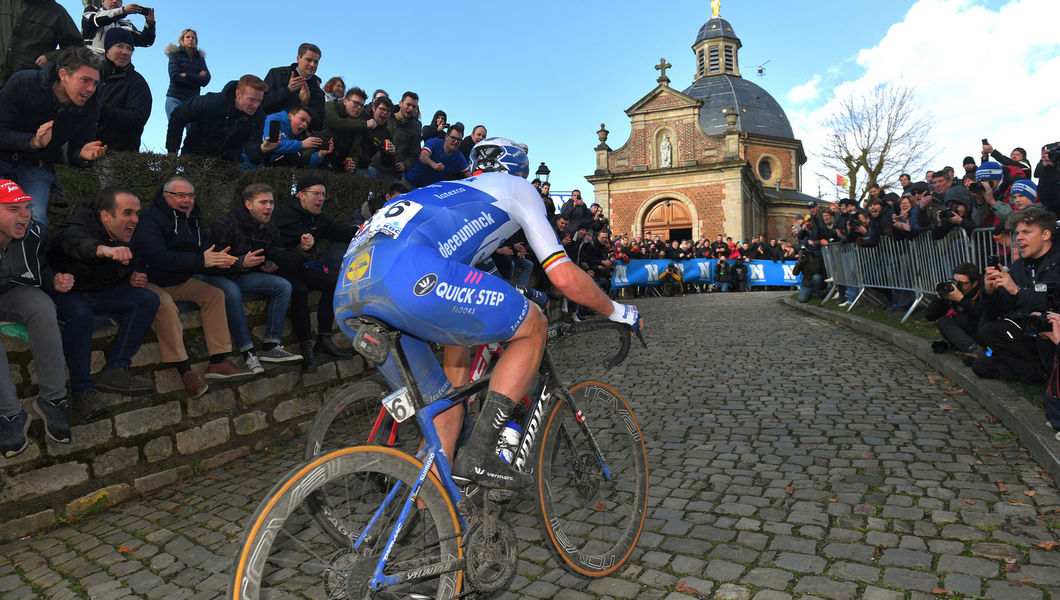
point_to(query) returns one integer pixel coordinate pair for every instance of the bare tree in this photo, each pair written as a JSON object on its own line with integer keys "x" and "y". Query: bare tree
{"x": 875, "y": 137}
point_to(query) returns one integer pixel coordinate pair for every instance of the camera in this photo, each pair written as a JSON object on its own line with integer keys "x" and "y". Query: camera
{"x": 1040, "y": 323}
{"x": 946, "y": 214}
{"x": 976, "y": 186}
{"x": 1053, "y": 152}
{"x": 944, "y": 288}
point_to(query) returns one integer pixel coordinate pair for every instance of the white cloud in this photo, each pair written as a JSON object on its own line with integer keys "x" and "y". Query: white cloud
{"x": 806, "y": 91}
{"x": 981, "y": 73}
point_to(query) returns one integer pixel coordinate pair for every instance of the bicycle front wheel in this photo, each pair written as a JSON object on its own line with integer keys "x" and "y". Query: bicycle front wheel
{"x": 592, "y": 506}
{"x": 286, "y": 554}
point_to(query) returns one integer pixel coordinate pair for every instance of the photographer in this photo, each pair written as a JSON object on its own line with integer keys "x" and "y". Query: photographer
{"x": 1048, "y": 173}
{"x": 957, "y": 213}
{"x": 990, "y": 193}
{"x": 1051, "y": 397}
{"x": 812, "y": 269}
{"x": 723, "y": 275}
{"x": 957, "y": 308}
{"x": 1010, "y": 298}
{"x": 672, "y": 281}
{"x": 739, "y": 276}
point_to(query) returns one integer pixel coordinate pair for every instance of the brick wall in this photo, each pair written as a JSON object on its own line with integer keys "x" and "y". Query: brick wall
{"x": 707, "y": 200}
{"x": 152, "y": 441}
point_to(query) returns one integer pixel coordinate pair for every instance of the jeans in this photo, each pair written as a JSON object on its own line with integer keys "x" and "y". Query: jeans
{"x": 275, "y": 288}
{"x": 302, "y": 281}
{"x": 171, "y": 105}
{"x": 376, "y": 174}
{"x": 807, "y": 291}
{"x": 37, "y": 183}
{"x": 34, "y": 309}
{"x": 723, "y": 286}
{"x": 135, "y": 309}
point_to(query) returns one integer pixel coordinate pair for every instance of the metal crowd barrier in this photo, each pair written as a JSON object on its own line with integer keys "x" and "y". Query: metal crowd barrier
{"x": 911, "y": 266}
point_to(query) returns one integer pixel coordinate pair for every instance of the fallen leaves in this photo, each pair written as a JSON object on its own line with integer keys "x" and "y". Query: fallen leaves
{"x": 1030, "y": 493}
{"x": 945, "y": 407}
{"x": 1001, "y": 486}
{"x": 969, "y": 501}
{"x": 789, "y": 489}
{"x": 600, "y": 506}
{"x": 684, "y": 588}
{"x": 939, "y": 591}
{"x": 1046, "y": 545}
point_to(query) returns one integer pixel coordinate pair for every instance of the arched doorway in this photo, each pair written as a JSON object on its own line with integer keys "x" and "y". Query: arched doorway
{"x": 669, "y": 219}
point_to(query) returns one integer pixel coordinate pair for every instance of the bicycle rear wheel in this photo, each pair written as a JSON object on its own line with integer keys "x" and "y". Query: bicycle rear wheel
{"x": 346, "y": 418}
{"x": 286, "y": 554}
{"x": 593, "y": 521}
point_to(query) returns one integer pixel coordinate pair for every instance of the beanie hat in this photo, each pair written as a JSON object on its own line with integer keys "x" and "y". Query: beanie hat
{"x": 309, "y": 181}
{"x": 989, "y": 170}
{"x": 10, "y": 193}
{"x": 968, "y": 160}
{"x": 1025, "y": 187}
{"x": 116, "y": 35}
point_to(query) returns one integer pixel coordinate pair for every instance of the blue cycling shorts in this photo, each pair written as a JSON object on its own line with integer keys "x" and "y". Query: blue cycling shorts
{"x": 415, "y": 289}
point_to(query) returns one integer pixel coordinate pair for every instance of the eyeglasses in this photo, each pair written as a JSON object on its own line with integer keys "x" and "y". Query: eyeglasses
{"x": 315, "y": 193}
{"x": 182, "y": 195}
{"x": 455, "y": 138}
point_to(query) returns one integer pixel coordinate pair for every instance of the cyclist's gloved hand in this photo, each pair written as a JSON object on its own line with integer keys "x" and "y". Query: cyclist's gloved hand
{"x": 626, "y": 313}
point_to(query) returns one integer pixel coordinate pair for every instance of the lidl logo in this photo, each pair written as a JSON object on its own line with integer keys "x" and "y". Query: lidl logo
{"x": 360, "y": 267}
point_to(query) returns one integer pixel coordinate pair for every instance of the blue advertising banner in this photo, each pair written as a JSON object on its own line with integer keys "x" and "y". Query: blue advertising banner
{"x": 701, "y": 270}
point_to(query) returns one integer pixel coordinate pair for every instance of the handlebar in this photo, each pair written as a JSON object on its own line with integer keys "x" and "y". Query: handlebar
{"x": 558, "y": 331}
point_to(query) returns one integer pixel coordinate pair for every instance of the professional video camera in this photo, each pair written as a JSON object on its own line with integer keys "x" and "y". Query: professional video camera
{"x": 1040, "y": 323}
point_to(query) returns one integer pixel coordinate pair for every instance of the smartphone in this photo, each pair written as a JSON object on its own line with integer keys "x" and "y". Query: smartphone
{"x": 985, "y": 143}
{"x": 274, "y": 131}
{"x": 994, "y": 261}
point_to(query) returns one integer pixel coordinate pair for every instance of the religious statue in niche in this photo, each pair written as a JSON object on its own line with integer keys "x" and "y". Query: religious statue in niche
{"x": 665, "y": 152}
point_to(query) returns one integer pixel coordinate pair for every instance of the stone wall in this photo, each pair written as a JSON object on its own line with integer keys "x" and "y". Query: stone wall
{"x": 152, "y": 441}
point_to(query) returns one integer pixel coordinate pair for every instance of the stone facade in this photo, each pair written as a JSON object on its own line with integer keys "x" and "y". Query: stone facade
{"x": 153, "y": 441}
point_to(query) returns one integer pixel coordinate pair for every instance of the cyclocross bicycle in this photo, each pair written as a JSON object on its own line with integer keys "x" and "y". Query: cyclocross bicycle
{"x": 396, "y": 529}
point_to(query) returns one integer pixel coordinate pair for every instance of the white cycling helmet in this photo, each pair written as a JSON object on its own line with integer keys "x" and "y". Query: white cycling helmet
{"x": 500, "y": 155}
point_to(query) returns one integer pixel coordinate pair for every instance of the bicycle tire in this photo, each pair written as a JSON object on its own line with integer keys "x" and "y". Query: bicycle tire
{"x": 284, "y": 554}
{"x": 346, "y": 418}
{"x": 592, "y": 524}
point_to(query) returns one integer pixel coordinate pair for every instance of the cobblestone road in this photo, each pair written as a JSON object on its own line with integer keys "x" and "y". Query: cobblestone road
{"x": 790, "y": 458}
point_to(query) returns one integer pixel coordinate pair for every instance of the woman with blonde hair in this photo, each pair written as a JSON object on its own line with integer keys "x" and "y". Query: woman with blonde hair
{"x": 187, "y": 70}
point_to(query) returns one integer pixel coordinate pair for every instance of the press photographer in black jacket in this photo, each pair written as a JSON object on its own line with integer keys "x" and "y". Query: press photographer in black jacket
{"x": 957, "y": 308}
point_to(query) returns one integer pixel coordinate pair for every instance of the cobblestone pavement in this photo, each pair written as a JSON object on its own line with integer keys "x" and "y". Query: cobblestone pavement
{"x": 789, "y": 457}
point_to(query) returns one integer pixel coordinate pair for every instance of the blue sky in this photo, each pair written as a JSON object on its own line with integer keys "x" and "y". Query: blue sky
{"x": 550, "y": 72}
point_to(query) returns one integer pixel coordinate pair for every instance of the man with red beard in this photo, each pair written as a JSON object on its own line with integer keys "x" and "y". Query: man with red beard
{"x": 23, "y": 272}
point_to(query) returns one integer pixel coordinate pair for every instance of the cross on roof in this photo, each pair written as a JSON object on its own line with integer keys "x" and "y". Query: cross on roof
{"x": 661, "y": 67}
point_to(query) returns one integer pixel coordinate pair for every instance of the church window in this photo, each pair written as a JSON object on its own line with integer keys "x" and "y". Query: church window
{"x": 730, "y": 63}
{"x": 715, "y": 59}
{"x": 701, "y": 68}
{"x": 765, "y": 169}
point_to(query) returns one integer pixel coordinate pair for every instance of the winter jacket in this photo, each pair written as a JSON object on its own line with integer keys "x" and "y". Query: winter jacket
{"x": 183, "y": 87}
{"x": 406, "y": 137}
{"x": 346, "y": 131}
{"x": 292, "y": 221}
{"x": 27, "y": 102}
{"x": 430, "y": 131}
{"x": 289, "y": 152}
{"x": 125, "y": 106}
{"x": 1023, "y": 165}
{"x": 217, "y": 127}
{"x": 1048, "y": 186}
{"x": 33, "y": 28}
{"x": 239, "y": 230}
{"x": 723, "y": 272}
{"x": 1026, "y": 274}
{"x": 23, "y": 262}
{"x": 169, "y": 244}
{"x": 578, "y": 217}
{"x": 279, "y": 98}
{"x": 96, "y": 21}
{"x": 939, "y": 307}
{"x": 73, "y": 250}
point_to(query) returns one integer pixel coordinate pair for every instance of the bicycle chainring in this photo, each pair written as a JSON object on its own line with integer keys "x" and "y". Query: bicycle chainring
{"x": 491, "y": 560}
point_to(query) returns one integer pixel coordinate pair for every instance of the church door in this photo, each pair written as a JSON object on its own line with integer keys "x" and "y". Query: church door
{"x": 669, "y": 219}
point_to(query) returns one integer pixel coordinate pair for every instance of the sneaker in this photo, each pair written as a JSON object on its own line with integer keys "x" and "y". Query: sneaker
{"x": 118, "y": 381}
{"x": 89, "y": 407}
{"x": 252, "y": 364}
{"x": 56, "y": 417}
{"x": 1057, "y": 436}
{"x": 226, "y": 371}
{"x": 326, "y": 345}
{"x": 13, "y": 434}
{"x": 194, "y": 384}
{"x": 845, "y": 304}
{"x": 278, "y": 354}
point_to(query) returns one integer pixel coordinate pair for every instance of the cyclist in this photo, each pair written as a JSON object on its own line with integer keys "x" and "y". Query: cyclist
{"x": 411, "y": 267}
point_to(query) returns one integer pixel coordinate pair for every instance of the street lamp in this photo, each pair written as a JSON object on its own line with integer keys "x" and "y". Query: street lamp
{"x": 542, "y": 172}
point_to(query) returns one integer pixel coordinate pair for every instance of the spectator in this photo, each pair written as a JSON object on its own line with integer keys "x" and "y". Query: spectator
{"x": 550, "y": 205}
{"x": 171, "y": 241}
{"x": 248, "y": 232}
{"x": 1017, "y": 158}
{"x": 578, "y": 215}
{"x": 227, "y": 124}
{"x": 436, "y": 128}
{"x": 906, "y": 218}
{"x": 956, "y": 214}
{"x": 740, "y": 275}
{"x": 376, "y": 145}
{"x": 187, "y": 70}
{"x": 957, "y": 309}
{"x": 97, "y": 21}
{"x": 719, "y": 249}
{"x": 723, "y": 274}
{"x": 1010, "y": 297}
{"x": 969, "y": 166}
{"x": 905, "y": 180}
{"x": 29, "y": 33}
{"x": 294, "y": 141}
{"x": 928, "y": 207}
{"x": 297, "y": 84}
{"x": 1048, "y": 173}
{"x": 600, "y": 221}
{"x": 345, "y": 119}
{"x": 23, "y": 275}
{"x": 335, "y": 89}
{"x": 93, "y": 246}
{"x": 405, "y": 135}
{"x": 946, "y": 192}
{"x": 991, "y": 202}
{"x": 1051, "y": 397}
{"x": 301, "y": 223}
{"x": 439, "y": 160}
{"x": 124, "y": 95}
{"x": 40, "y": 113}
{"x": 811, "y": 267}
{"x": 478, "y": 133}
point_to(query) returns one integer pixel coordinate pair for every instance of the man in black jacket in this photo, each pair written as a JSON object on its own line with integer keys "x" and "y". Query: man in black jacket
{"x": 34, "y": 28}
{"x": 93, "y": 246}
{"x": 578, "y": 215}
{"x": 297, "y": 84}
{"x": 228, "y": 124}
{"x": 248, "y": 232}
{"x": 124, "y": 94}
{"x": 1010, "y": 297}
{"x": 301, "y": 223}
{"x": 171, "y": 241}
{"x": 40, "y": 112}
{"x": 957, "y": 310}
{"x": 23, "y": 273}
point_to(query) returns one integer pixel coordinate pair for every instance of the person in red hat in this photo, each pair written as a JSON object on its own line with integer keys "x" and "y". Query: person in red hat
{"x": 23, "y": 272}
